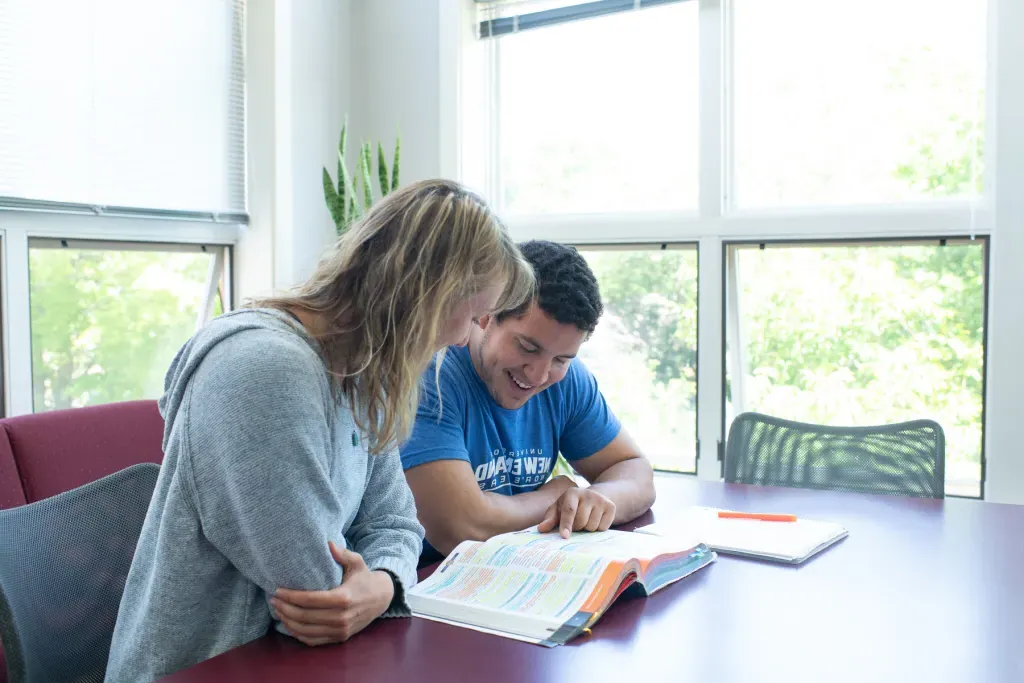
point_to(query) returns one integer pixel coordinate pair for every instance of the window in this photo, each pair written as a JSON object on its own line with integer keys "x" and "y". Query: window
{"x": 857, "y": 102}
{"x": 107, "y": 319}
{"x": 122, "y": 130}
{"x": 849, "y": 139}
{"x": 600, "y": 115}
{"x": 644, "y": 351}
{"x": 863, "y": 334}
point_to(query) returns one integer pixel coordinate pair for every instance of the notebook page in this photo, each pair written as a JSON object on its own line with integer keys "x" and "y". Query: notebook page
{"x": 787, "y": 541}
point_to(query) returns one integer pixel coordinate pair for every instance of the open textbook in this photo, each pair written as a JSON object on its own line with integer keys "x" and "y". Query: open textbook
{"x": 544, "y": 589}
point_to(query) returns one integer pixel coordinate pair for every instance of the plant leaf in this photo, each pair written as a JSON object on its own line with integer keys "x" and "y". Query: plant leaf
{"x": 342, "y": 144}
{"x": 394, "y": 165}
{"x": 345, "y": 222}
{"x": 365, "y": 169}
{"x": 332, "y": 199}
{"x": 382, "y": 170}
{"x": 348, "y": 183}
{"x": 344, "y": 186}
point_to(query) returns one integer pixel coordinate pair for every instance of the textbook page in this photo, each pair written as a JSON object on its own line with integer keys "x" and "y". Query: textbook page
{"x": 529, "y": 589}
{"x": 611, "y": 544}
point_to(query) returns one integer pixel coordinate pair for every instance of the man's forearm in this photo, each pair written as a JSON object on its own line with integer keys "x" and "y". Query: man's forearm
{"x": 630, "y": 485}
{"x": 512, "y": 513}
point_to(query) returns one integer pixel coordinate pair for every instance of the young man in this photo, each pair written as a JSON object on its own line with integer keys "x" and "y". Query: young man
{"x": 479, "y": 460}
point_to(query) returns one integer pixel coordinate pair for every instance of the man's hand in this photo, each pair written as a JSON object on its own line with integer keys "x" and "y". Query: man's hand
{"x": 334, "y": 616}
{"x": 578, "y": 509}
{"x": 561, "y": 483}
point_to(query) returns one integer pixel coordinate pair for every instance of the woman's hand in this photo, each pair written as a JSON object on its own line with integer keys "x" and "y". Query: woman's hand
{"x": 334, "y": 616}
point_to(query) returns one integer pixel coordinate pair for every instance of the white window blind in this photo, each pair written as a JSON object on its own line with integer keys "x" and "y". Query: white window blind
{"x": 123, "y": 103}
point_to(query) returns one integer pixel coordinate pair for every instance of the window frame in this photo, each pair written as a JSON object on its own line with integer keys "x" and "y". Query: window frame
{"x": 20, "y": 227}
{"x": 730, "y": 312}
{"x": 718, "y": 222}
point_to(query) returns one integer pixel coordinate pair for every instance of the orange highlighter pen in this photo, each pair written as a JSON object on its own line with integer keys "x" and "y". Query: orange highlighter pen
{"x": 760, "y": 516}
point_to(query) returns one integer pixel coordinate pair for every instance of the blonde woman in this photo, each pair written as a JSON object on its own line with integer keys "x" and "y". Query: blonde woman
{"x": 282, "y": 422}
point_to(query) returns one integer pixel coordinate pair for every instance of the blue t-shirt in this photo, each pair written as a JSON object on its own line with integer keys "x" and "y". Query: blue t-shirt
{"x": 510, "y": 451}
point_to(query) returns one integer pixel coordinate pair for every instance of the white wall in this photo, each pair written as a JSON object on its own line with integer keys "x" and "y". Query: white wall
{"x": 254, "y": 254}
{"x": 310, "y": 64}
{"x": 397, "y": 82}
{"x": 321, "y": 70}
{"x": 299, "y": 90}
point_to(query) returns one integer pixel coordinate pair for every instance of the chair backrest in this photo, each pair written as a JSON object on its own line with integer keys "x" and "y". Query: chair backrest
{"x": 11, "y": 492}
{"x": 905, "y": 459}
{"x": 61, "y": 450}
{"x": 63, "y": 565}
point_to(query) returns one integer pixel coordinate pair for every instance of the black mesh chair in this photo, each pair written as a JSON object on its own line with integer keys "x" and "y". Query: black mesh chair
{"x": 905, "y": 459}
{"x": 63, "y": 565}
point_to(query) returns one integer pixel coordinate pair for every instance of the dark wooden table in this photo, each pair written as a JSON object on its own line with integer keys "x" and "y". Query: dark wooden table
{"x": 920, "y": 591}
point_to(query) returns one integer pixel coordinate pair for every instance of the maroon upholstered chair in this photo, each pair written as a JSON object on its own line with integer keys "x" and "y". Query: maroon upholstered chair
{"x": 11, "y": 495}
{"x": 11, "y": 492}
{"x": 48, "y": 453}
{"x": 64, "y": 449}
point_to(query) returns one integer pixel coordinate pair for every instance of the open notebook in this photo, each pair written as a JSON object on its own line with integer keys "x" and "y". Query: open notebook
{"x": 544, "y": 589}
{"x": 791, "y": 542}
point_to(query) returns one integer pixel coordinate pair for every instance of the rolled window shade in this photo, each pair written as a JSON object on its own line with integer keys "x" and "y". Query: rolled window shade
{"x": 130, "y": 103}
{"x": 502, "y": 17}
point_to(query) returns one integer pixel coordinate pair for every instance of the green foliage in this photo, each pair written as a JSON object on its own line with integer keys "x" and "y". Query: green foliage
{"x": 342, "y": 199}
{"x": 106, "y": 324}
{"x": 643, "y": 352}
{"x": 950, "y": 163}
{"x": 654, "y": 297}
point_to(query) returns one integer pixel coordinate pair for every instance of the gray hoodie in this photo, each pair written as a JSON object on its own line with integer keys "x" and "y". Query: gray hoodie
{"x": 261, "y": 468}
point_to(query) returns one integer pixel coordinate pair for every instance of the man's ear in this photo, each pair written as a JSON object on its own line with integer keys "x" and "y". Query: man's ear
{"x": 483, "y": 321}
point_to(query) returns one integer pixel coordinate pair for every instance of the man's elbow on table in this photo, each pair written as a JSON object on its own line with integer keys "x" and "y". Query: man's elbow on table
{"x": 649, "y": 492}
{"x": 641, "y": 476}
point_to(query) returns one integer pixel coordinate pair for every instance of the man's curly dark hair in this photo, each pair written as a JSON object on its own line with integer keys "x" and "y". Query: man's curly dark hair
{"x": 566, "y": 287}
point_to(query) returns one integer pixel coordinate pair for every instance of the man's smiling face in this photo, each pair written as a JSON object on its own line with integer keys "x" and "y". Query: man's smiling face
{"x": 522, "y": 356}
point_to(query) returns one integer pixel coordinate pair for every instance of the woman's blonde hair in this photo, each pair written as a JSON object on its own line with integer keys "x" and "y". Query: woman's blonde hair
{"x": 385, "y": 289}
